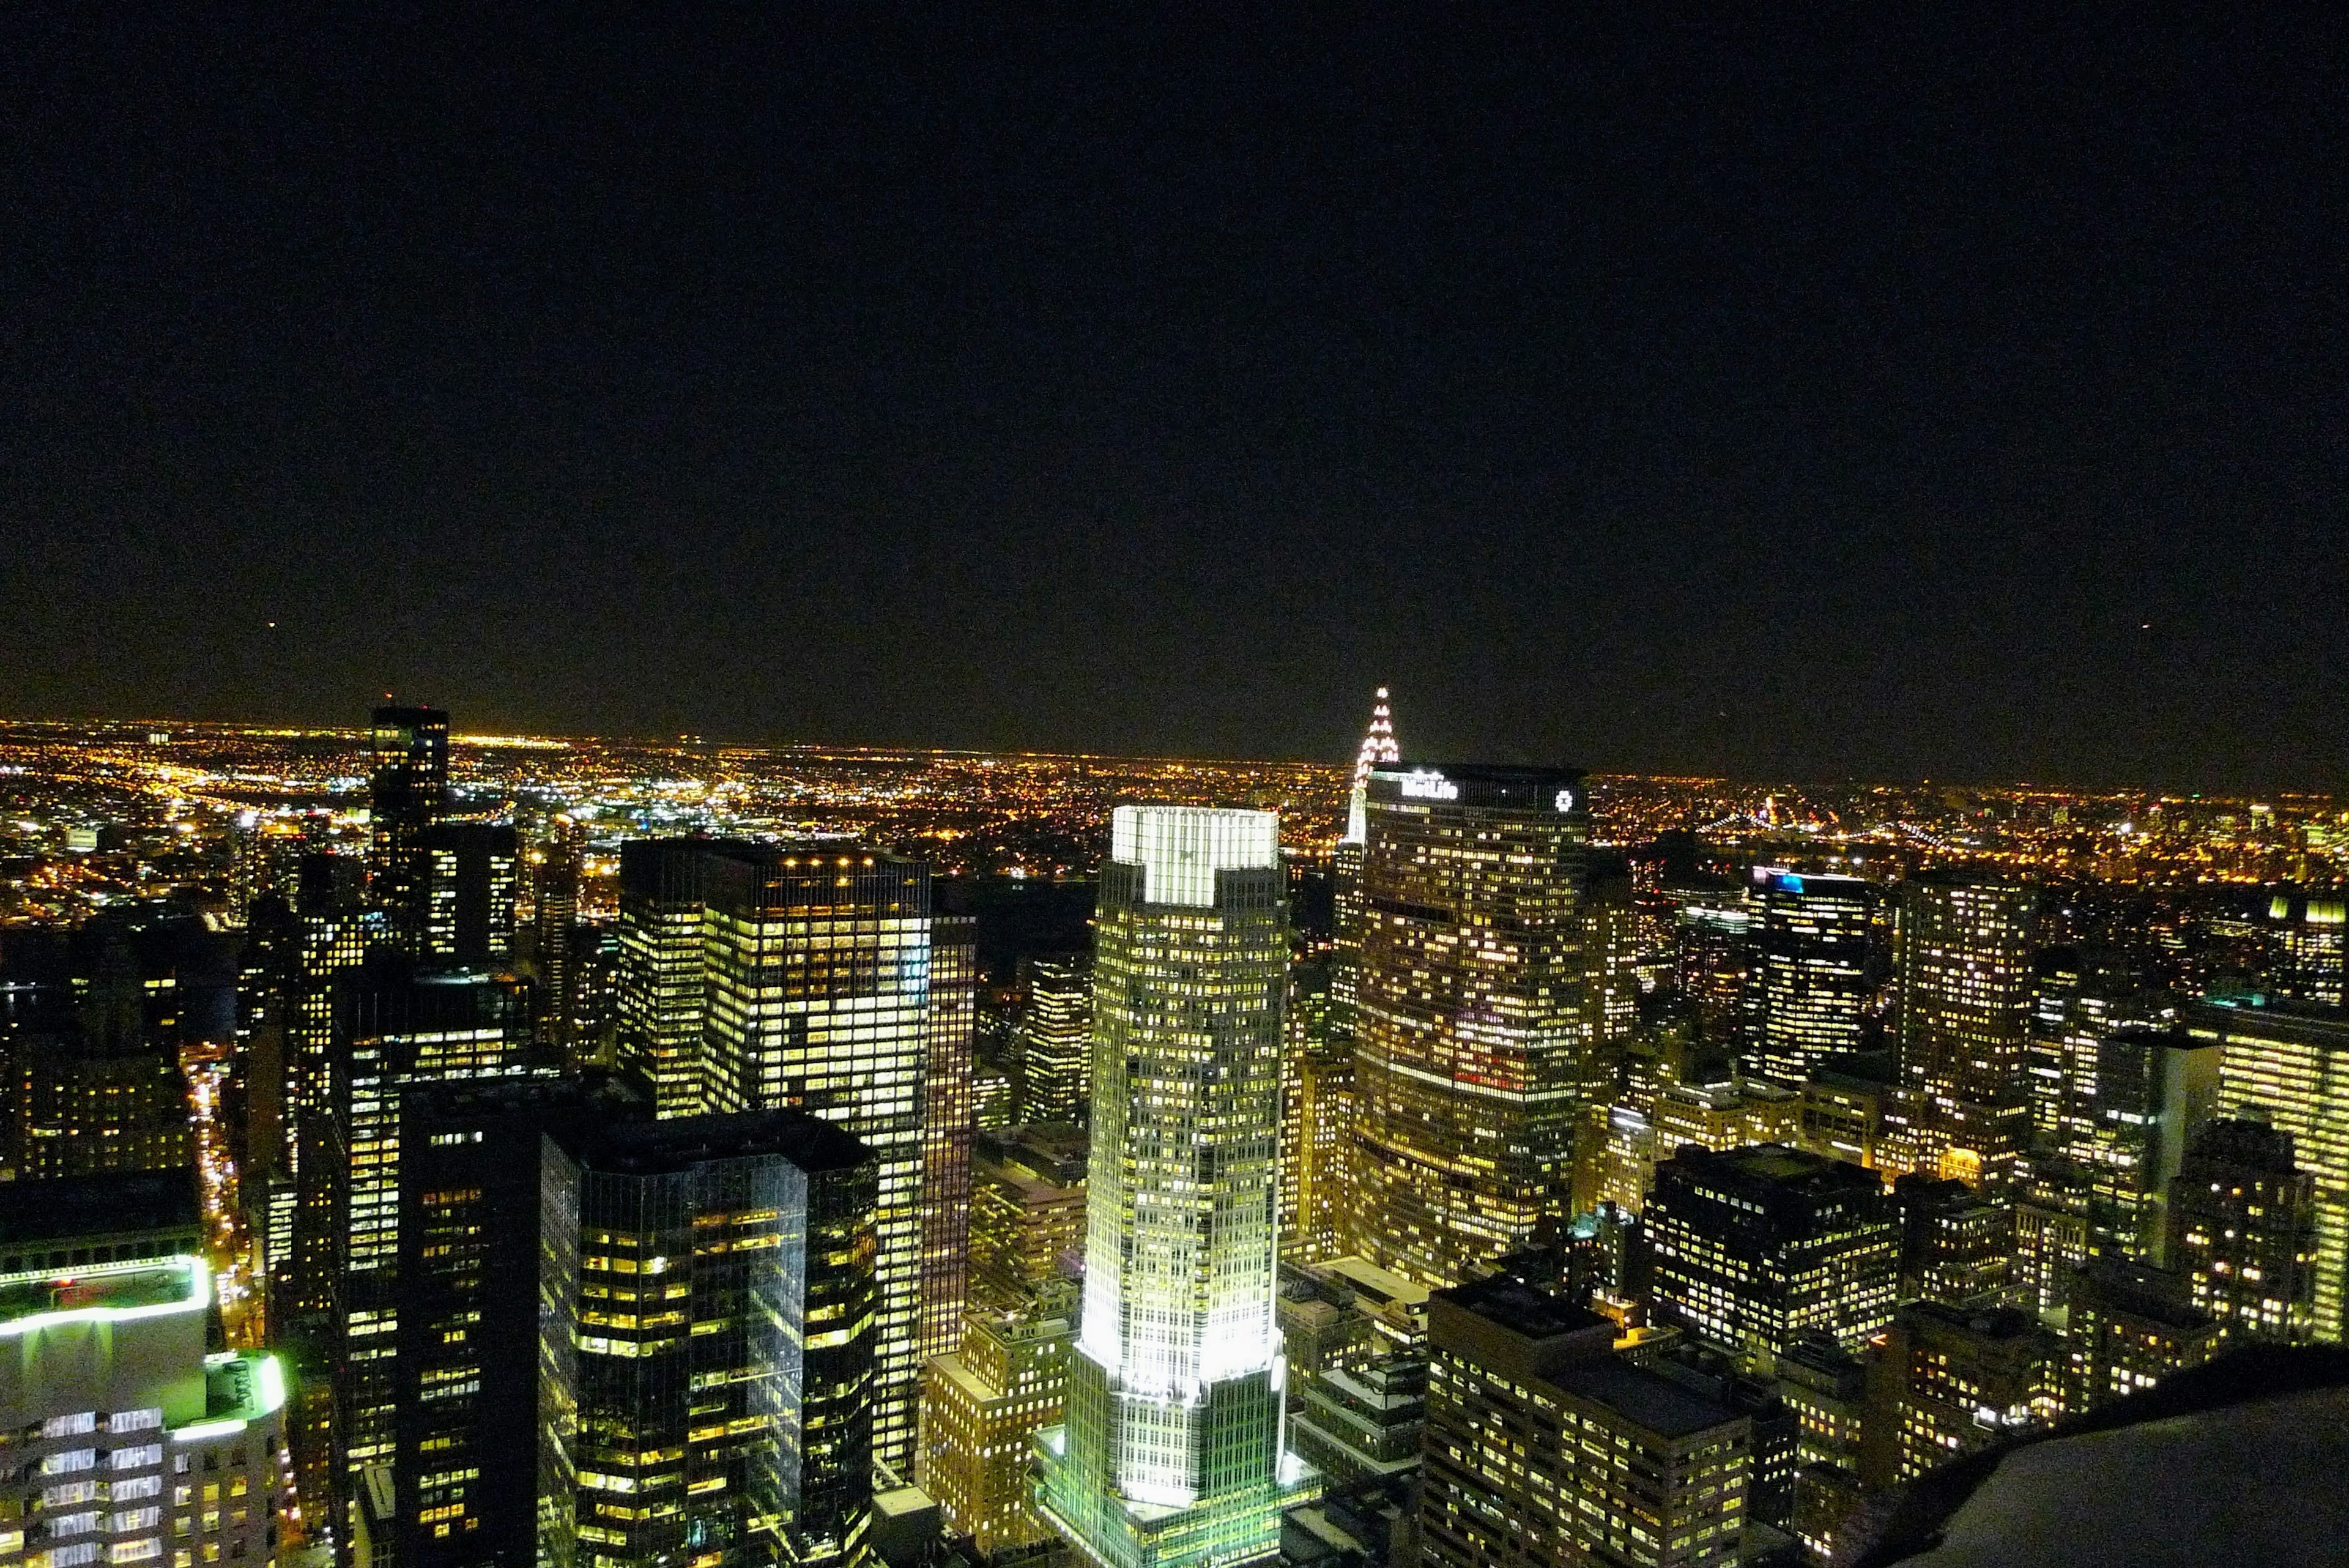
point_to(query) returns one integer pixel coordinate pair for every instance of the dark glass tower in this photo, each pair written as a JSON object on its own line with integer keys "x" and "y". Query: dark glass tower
{"x": 1810, "y": 970}
{"x": 408, "y": 792}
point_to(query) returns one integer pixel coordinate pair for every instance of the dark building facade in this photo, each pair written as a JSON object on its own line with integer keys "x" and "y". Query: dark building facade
{"x": 408, "y": 792}
{"x": 2242, "y": 1230}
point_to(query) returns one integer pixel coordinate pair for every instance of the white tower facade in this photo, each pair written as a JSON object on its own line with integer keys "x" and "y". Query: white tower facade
{"x": 1174, "y": 1452}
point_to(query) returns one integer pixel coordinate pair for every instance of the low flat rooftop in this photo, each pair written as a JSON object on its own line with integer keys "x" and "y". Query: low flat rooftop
{"x": 102, "y": 1289}
{"x": 1646, "y": 1398}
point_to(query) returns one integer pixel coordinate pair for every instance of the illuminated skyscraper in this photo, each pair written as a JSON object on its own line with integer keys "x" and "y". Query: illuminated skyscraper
{"x": 1965, "y": 990}
{"x": 2291, "y": 1068}
{"x": 1379, "y": 751}
{"x": 708, "y": 1345}
{"x": 2242, "y": 1230}
{"x": 819, "y": 978}
{"x": 660, "y": 981}
{"x": 397, "y": 1027}
{"x": 1173, "y": 1451}
{"x": 948, "y": 1129}
{"x": 2313, "y": 957}
{"x": 1810, "y": 970}
{"x": 1473, "y": 1042}
{"x": 554, "y": 905}
{"x": 469, "y": 894}
{"x": 1056, "y": 1038}
{"x": 408, "y": 792}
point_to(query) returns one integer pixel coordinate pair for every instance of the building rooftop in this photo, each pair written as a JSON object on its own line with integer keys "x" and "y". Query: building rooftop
{"x": 649, "y": 1149}
{"x": 1518, "y": 1306}
{"x": 146, "y": 1288}
{"x": 1648, "y": 1398}
{"x": 106, "y": 1205}
{"x": 1776, "y": 1165}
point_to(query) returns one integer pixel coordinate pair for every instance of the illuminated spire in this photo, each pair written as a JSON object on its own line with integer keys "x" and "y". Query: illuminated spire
{"x": 1379, "y": 751}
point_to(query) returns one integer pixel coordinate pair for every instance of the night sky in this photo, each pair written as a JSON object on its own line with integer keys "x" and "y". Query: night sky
{"x": 1779, "y": 395}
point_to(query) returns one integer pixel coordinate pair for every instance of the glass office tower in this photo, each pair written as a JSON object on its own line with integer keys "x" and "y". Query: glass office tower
{"x": 1965, "y": 988}
{"x": 1173, "y": 1450}
{"x": 1474, "y": 1053}
{"x": 1811, "y": 970}
{"x": 408, "y": 792}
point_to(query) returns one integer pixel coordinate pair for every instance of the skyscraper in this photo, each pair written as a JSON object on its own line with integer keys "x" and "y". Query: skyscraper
{"x": 2291, "y": 1068}
{"x": 1378, "y": 750}
{"x": 1474, "y": 1047}
{"x": 708, "y": 1344}
{"x": 468, "y": 870}
{"x": 1810, "y": 970}
{"x": 1173, "y": 1451}
{"x": 2242, "y": 1230}
{"x": 819, "y": 978}
{"x": 555, "y": 906}
{"x": 948, "y": 1130}
{"x": 397, "y": 1027}
{"x": 1965, "y": 993}
{"x": 408, "y": 792}
{"x": 660, "y": 984}
{"x": 1056, "y": 1040}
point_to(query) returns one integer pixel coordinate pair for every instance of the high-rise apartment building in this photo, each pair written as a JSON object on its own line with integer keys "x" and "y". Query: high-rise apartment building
{"x": 1810, "y": 936}
{"x": 1172, "y": 1452}
{"x": 660, "y": 1002}
{"x": 2291, "y": 1068}
{"x": 1756, "y": 1246}
{"x": 408, "y": 792}
{"x": 1543, "y": 1447}
{"x": 1474, "y": 1057}
{"x": 1965, "y": 995}
{"x": 708, "y": 1344}
{"x": 125, "y": 1441}
{"x": 819, "y": 978}
{"x": 2242, "y": 1230}
{"x": 1056, "y": 1040}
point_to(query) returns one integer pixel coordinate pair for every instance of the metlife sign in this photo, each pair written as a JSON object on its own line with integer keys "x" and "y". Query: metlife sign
{"x": 1427, "y": 786}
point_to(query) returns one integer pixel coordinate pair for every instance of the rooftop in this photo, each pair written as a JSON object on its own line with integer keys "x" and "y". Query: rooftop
{"x": 1648, "y": 1398}
{"x": 1519, "y": 1307}
{"x": 106, "y": 1205}
{"x": 649, "y": 1148}
{"x": 146, "y": 1288}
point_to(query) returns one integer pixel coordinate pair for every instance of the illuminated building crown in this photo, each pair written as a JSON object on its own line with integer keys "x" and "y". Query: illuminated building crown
{"x": 1379, "y": 751}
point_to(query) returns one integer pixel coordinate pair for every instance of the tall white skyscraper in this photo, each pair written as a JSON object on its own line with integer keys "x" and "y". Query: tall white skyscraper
{"x": 1172, "y": 1452}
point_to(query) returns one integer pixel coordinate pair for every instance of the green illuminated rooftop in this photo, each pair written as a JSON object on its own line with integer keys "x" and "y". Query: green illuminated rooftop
{"x": 144, "y": 1288}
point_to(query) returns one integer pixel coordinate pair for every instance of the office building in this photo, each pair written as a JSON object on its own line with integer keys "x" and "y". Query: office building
{"x": 469, "y": 871}
{"x": 1378, "y": 750}
{"x": 2128, "y": 1128}
{"x": 1758, "y": 1245}
{"x": 1056, "y": 1040}
{"x": 117, "y": 1217}
{"x": 708, "y": 1344}
{"x": 982, "y": 1407}
{"x": 1825, "y": 1387}
{"x": 1317, "y": 1098}
{"x": 2312, "y": 957}
{"x": 1965, "y": 985}
{"x": 948, "y": 1129}
{"x": 408, "y": 792}
{"x": 1474, "y": 1062}
{"x": 659, "y": 1030}
{"x": 471, "y": 1172}
{"x": 86, "y": 1105}
{"x": 1810, "y": 936}
{"x": 1172, "y": 1452}
{"x": 1716, "y": 925}
{"x": 2291, "y": 1068}
{"x": 2130, "y": 1325}
{"x": 1027, "y": 1215}
{"x": 128, "y": 1442}
{"x": 2078, "y": 999}
{"x": 555, "y": 869}
{"x": 397, "y": 1027}
{"x": 2242, "y": 1230}
{"x": 1949, "y": 1382}
{"x": 1543, "y": 1447}
{"x": 331, "y": 935}
{"x": 1957, "y": 1243}
{"x": 1363, "y": 1423}
{"x": 819, "y": 969}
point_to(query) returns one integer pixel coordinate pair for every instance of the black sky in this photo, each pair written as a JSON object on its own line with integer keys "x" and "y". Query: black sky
{"x": 1789, "y": 395}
